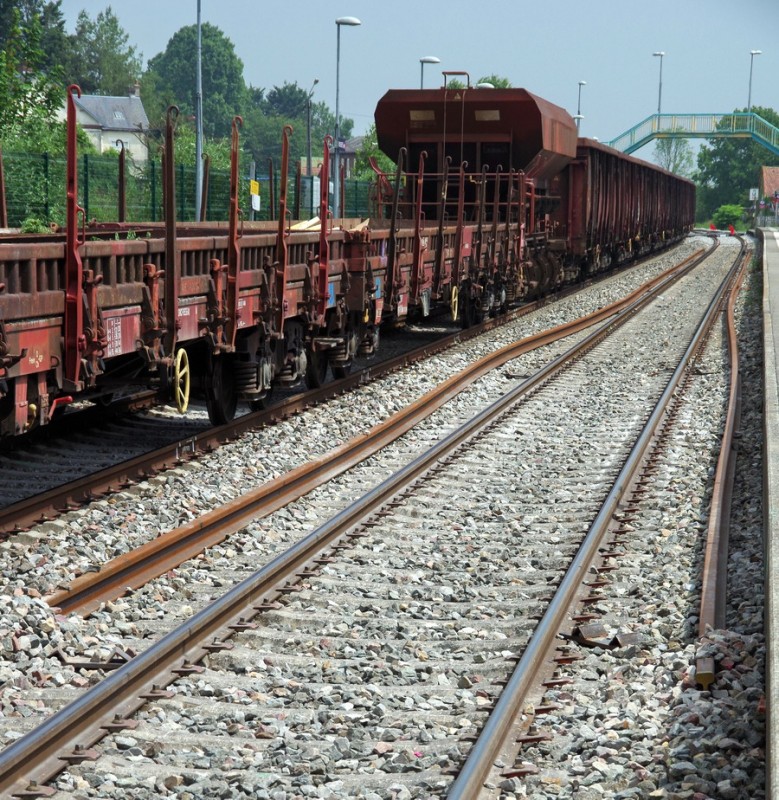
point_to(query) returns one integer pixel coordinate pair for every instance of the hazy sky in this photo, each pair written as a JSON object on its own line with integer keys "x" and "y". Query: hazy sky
{"x": 545, "y": 47}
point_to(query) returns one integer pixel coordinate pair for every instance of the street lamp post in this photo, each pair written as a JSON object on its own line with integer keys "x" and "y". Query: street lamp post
{"x": 422, "y": 61}
{"x": 579, "y": 116}
{"x": 336, "y": 165}
{"x": 198, "y": 122}
{"x": 752, "y": 54}
{"x": 308, "y": 127}
{"x": 308, "y": 144}
{"x": 660, "y": 53}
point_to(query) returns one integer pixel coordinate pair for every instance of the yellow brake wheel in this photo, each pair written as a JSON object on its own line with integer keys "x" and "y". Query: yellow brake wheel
{"x": 181, "y": 380}
{"x": 454, "y": 302}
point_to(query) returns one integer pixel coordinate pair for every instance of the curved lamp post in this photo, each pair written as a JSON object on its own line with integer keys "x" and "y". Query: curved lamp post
{"x": 308, "y": 127}
{"x": 752, "y": 54}
{"x": 579, "y": 116}
{"x": 336, "y": 161}
{"x": 660, "y": 53}
{"x": 422, "y": 61}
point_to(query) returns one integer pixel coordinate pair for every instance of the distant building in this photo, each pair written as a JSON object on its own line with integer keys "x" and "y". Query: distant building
{"x": 768, "y": 197}
{"x": 349, "y": 153}
{"x": 113, "y": 121}
{"x": 347, "y": 156}
{"x": 769, "y": 182}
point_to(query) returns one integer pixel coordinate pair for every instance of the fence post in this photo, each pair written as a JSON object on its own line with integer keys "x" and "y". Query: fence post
{"x": 182, "y": 192}
{"x": 153, "y": 191}
{"x": 86, "y": 186}
{"x": 46, "y": 208}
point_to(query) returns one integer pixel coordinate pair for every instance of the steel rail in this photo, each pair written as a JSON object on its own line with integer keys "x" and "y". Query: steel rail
{"x": 38, "y": 756}
{"x": 40, "y": 508}
{"x": 135, "y": 568}
{"x": 470, "y": 781}
{"x": 714, "y": 585}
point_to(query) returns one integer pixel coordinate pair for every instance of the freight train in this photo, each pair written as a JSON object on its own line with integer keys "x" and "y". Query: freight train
{"x": 495, "y": 199}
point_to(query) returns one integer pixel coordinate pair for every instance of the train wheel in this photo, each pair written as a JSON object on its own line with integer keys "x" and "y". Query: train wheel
{"x": 342, "y": 370}
{"x": 221, "y": 397}
{"x": 181, "y": 380}
{"x": 316, "y": 367}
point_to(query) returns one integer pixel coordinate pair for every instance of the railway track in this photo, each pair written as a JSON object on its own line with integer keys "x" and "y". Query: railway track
{"x": 35, "y": 479}
{"x": 418, "y": 627}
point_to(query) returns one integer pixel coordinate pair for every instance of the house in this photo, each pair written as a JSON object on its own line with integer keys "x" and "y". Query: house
{"x": 349, "y": 150}
{"x": 768, "y": 196}
{"x": 769, "y": 182}
{"x": 113, "y": 121}
{"x": 347, "y": 156}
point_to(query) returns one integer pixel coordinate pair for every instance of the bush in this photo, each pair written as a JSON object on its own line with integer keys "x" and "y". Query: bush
{"x": 34, "y": 225}
{"x": 727, "y": 215}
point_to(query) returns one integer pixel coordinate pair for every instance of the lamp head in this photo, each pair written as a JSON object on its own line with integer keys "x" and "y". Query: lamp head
{"x": 430, "y": 60}
{"x": 348, "y": 21}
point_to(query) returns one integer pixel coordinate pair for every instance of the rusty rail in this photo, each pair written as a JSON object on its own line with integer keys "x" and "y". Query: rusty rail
{"x": 34, "y": 510}
{"x": 470, "y": 781}
{"x": 714, "y": 586}
{"x": 132, "y": 570}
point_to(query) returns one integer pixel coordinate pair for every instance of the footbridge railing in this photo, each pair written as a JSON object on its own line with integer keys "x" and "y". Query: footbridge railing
{"x": 700, "y": 126}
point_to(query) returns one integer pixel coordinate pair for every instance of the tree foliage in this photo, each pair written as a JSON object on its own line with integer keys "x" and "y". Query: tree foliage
{"x": 497, "y": 81}
{"x": 728, "y": 168}
{"x": 675, "y": 155}
{"x": 727, "y": 215}
{"x": 370, "y": 149}
{"x": 172, "y": 78}
{"x": 53, "y": 39}
{"x": 265, "y": 119}
{"x": 99, "y": 59}
{"x": 26, "y": 92}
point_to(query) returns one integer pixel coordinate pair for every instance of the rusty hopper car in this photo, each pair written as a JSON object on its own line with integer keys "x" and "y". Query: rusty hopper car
{"x": 494, "y": 199}
{"x": 526, "y": 205}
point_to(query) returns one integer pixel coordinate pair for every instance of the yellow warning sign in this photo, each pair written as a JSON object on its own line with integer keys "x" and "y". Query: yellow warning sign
{"x": 254, "y": 187}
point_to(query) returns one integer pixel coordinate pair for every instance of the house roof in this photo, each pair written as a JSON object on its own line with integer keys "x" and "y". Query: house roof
{"x": 115, "y": 113}
{"x": 769, "y": 178}
{"x": 354, "y": 144}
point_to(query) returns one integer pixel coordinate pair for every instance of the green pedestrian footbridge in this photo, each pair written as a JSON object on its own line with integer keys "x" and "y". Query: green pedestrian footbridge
{"x": 736, "y": 125}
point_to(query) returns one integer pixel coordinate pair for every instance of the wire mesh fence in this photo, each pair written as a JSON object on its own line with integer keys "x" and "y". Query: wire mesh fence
{"x": 35, "y": 188}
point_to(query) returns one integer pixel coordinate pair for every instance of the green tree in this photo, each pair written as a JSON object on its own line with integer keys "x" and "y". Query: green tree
{"x": 100, "y": 60}
{"x": 497, "y": 81}
{"x": 675, "y": 155}
{"x": 370, "y": 149}
{"x": 727, "y": 215}
{"x": 174, "y": 77}
{"x": 265, "y": 119}
{"x": 728, "y": 168}
{"x": 217, "y": 150}
{"x": 289, "y": 100}
{"x": 26, "y": 93}
{"x": 53, "y": 41}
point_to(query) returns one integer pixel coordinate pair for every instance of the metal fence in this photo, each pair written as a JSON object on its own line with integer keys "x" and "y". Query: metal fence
{"x": 768, "y": 219}
{"x": 35, "y": 187}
